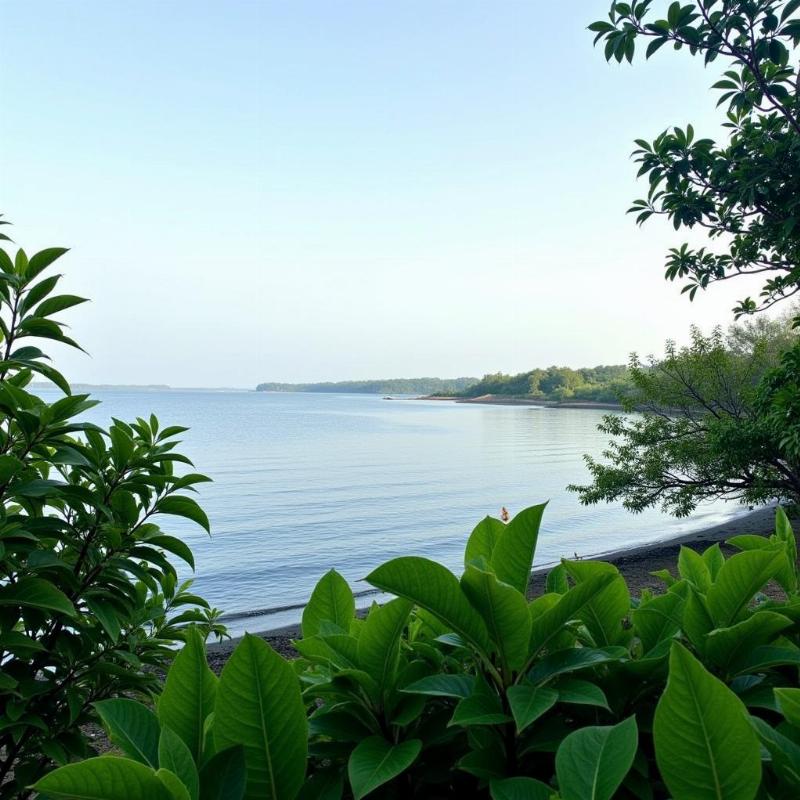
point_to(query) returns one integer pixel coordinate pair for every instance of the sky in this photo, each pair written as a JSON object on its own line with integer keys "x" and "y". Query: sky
{"x": 275, "y": 191}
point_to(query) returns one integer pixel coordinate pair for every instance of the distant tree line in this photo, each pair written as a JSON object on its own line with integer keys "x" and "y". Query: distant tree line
{"x": 604, "y": 383}
{"x": 438, "y": 386}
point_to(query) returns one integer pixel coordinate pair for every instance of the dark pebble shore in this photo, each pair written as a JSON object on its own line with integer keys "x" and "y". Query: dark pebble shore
{"x": 635, "y": 564}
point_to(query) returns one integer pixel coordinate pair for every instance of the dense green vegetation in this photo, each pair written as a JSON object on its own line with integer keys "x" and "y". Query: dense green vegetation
{"x": 441, "y": 386}
{"x": 465, "y": 688}
{"x": 89, "y": 602}
{"x": 600, "y": 384}
{"x": 718, "y": 419}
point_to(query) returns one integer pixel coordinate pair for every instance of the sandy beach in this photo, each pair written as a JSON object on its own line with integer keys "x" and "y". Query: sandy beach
{"x": 635, "y": 564}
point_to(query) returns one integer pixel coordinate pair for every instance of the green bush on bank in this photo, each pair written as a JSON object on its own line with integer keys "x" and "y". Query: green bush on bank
{"x": 465, "y": 688}
{"x": 89, "y": 602}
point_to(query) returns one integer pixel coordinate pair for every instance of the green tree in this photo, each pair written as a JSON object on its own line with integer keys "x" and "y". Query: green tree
{"x": 89, "y": 601}
{"x": 718, "y": 420}
{"x": 743, "y": 190}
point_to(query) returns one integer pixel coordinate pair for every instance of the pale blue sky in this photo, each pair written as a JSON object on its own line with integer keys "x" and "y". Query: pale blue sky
{"x": 335, "y": 190}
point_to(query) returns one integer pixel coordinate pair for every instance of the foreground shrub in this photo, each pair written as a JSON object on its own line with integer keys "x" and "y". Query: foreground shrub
{"x": 464, "y": 688}
{"x": 88, "y": 599}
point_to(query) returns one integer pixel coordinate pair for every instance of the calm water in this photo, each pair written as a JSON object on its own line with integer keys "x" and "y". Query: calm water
{"x": 306, "y": 482}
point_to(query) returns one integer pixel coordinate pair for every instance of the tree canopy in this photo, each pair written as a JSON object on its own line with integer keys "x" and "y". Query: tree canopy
{"x": 742, "y": 191}
{"x": 720, "y": 420}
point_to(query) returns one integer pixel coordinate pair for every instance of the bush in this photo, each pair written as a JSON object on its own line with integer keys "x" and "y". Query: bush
{"x": 88, "y": 600}
{"x": 464, "y": 688}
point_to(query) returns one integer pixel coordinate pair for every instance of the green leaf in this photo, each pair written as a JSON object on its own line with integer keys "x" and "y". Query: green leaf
{"x": 173, "y": 784}
{"x": 180, "y": 506}
{"x": 434, "y": 588}
{"x": 726, "y": 646}
{"x": 504, "y": 612}
{"x": 573, "y": 660}
{"x": 657, "y": 619}
{"x": 784, "y": 757}
{"x": 546, "y": 626}
{"x": 528, "y": 703}
{"x": 106, "y": 615}
{"x": 480, "y": 708}
{"x": 36, "y": 593}
{"x": 482, "y": 540}
{"x": 58, "y": 303}
{"x": 132, "y": 727}
{"x": 375, "y": 762}
{"x": 584, "y": 693}
{"x": 443, "y": 686}
{"x": 331, "y": 601}
{"x": 43, "y": 259}
{"x": 705, "y": 746}
{"x": 789, "y": 704}
{"x": 605, "y": 610}
{"x": 694, "y": 569}
{"x": 592, "y": 762}
{"x": 512, "y": 557}
{"x": 174, "y": 545}
{"x": 189, "y": 694}
{"x": 379, "y": 641}
{"x": 519, "y": 789}
{"x": 105, "y": 778}
{"x": 738, "y": 580}
{"x": 259, "y": 706}
{"x": 224, "y": 776}
{"x": 174, "y": 755}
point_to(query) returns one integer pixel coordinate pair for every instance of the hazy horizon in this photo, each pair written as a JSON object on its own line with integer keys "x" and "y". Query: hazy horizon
{"x": 315, "y": 192}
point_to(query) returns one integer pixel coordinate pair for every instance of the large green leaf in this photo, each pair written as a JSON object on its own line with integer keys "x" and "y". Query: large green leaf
{"x": 132, "y": 727}
{"x": 784, "y": 757}
{"x": 705, "y": 746}
{"x": 189, "y": 694}
{"x": 693, "y": 568}
{"x": 573, "y": 660}
{"x": 604, "y": 612}
{"x": 658, "y": 618}
{"x": 528, "y": 703}
{"x": 480, "y": 708}
{"x": 105, "y": 778}
{"x": 181, "y": 506}
{"x": 519, "y": 789}
{"x": 482, "y": 540}
{"x": 737, "y": 582}
{"x": 546, "y": 626}
{"x": 592, "y": 762}
{"x": 376, "y": 761}
{"x": 379, "y": 641}
{"x": 259, "y": 706}
{"x": 434, "y": 588}
{"x": 504, "y": 612}
{"x": 582, "y": 693}
{"x": 512, "y": 557}
{"x": 36, "y": 593}
{"x": 224, "y": 775}
{"x": 174, "y": 755}
{"x": 443, "y": 686}
{"x": 789, "y": 704}
{"x": 726, "y": 646}
{"x": 331, "y": 601}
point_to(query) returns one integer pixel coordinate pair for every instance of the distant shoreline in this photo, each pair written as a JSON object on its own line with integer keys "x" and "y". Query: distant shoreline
{"x": 635, "y": 563}
{"x": 500, "y": 400}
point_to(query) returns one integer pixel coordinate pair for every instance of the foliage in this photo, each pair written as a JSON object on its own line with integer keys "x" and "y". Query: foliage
{"x": 742, "y": 191}
{"x": 89, "y": 602}
{"x": 719, "y": 418}
{"x": 439, "y": 386}
{"x": 465, "y": 688}
{"x": 599, "y": 384}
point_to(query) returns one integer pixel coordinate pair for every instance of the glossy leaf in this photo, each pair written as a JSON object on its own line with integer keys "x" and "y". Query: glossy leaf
{"x": 375, "y": 762}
